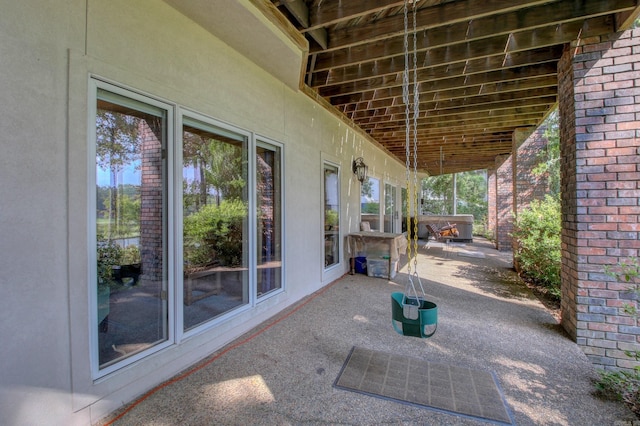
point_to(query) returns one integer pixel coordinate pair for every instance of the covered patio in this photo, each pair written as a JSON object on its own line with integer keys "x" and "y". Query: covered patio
{"x": 284, "y": 371}
{"x": 112, "y": 106}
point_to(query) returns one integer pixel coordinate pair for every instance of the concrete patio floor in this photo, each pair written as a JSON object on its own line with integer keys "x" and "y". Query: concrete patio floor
{"x": 283, "y": 371}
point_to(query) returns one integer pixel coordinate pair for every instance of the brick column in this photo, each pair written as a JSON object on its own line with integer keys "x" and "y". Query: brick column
{"x": 600, "y": 179}
{"x": 504, "y": 202}
{"x": 492, "y": 215}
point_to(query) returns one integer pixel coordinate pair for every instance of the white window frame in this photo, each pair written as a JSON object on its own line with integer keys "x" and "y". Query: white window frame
{"x": 178, "y": 233}
{"x": 173, "y": 222}
{"x": 95, "y": 84}
{"x": 328, "y": 272}
{"x": 268, "y": 143}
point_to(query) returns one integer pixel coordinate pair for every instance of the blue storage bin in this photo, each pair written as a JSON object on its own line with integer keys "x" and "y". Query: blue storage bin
{"x": 361, "y": 265}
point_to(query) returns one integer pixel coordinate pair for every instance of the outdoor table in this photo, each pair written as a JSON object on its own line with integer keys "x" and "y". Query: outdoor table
{"x": 378, "y": 245}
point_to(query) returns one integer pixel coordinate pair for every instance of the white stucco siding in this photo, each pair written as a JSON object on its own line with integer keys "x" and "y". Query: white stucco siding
{"x": 34, "y": 312}
{"x": 47, "y": 55}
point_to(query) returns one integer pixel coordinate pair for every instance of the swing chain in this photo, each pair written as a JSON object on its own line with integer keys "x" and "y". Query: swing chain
{"x": 405, "y": 98}
{"x": 416, "y": 106}
{"x": 411, "y": 135}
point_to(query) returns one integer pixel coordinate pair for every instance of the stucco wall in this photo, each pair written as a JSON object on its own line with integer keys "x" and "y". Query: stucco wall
{"x": 48, "y": 54}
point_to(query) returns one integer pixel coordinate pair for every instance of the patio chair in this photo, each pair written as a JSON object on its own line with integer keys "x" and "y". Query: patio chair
{"x": 445, "y": 233}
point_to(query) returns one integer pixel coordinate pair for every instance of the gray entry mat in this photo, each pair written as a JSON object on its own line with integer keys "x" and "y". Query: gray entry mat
{"x": 438, "y": 386}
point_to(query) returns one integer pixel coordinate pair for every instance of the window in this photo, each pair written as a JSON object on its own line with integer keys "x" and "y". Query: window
{"x": 214, "y": 211}
{"x": 269, "y": 218}
{"x": 187, "y": 227}
{"x": 130, "y": 226}
{"x": 390, "y": 208}
{"x": 370, "y": 203}
{"x": 331, "y": 215}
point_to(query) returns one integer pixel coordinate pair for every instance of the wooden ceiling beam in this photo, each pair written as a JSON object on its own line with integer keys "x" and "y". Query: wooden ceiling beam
{"x": 451, "y": 151}
{"x": 472, "y": 26}
{"x": 444, "y": 67}
{"x": 460, "y": 114}
{"x": 471, "y": 103}
{"x": 484, "y": 68}
{"x": 385, "y": 98}
{"x": 298, "y": 9}
{"x": 429, "y": 17}
{"x": 332, "y": 12}
{"x": 450, "y": 124}
{"x": 534, "y": 113}
{"x": 464, "y": 115}
{"x": 447, "y": 83}
{"x": 386, "y": 60}
{"x": 427, "y": 130}
{"x": 449, "y": 143}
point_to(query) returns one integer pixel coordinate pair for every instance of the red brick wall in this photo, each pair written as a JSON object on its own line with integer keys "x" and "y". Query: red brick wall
{"x": 151, "y": 199}
{"x": 504, "y": 202}
{"x": 514, "y": 172}
{"x": 492, "y": 215}
{"x": 599, "y": 82}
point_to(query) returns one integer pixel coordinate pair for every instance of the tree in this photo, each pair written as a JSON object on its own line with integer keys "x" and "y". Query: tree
{"x": 437, "y": 193}
{"x": 117, "y": 145}
{"x": 472, "y": 193}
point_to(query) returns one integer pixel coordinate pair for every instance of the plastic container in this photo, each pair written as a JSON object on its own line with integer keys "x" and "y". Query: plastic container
{"x": 381, "y": 268}
{"x": 360, "y": 265}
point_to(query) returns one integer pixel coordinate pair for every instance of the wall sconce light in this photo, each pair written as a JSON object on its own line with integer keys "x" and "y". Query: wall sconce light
{"x": 360, "y": 169}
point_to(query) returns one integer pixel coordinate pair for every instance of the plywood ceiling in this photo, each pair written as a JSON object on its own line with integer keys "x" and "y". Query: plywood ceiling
{"x": 484, "y": 67}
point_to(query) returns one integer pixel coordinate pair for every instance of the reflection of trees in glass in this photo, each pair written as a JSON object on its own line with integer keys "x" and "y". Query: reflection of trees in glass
{"x": 369, "y": 194}
{"x": 367, "y": 188}
{"x": 117, "y": 147}
{"x": 219, "y": 168}
{"x": 213, "y": 235}
{"x": 214, "y": 210}
{"x": 127, "y": 207}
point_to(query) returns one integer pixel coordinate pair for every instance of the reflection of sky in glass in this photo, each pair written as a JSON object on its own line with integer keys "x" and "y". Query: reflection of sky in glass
{"x": 128, "y": 175}
{"x": 375, "y": 192}
{"x": 191, "y": 174}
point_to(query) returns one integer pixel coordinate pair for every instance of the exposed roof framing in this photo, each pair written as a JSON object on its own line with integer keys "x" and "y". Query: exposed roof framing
{"x": 485, "y": 68}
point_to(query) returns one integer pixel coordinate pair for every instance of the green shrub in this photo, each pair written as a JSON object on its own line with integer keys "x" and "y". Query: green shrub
{"x": 624, "y": 385}
{"x": 481, "y": 228}
{"x": 130, "y": 255}
{"x": 213, "y": 235}
{"x": 538, "y": 247}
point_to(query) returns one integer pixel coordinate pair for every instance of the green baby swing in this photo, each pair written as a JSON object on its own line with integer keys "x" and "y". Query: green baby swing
{"x": 411, "y": 313}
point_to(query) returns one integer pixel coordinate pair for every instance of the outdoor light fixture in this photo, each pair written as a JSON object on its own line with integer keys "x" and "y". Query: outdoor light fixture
{"x": 360, "y": 169}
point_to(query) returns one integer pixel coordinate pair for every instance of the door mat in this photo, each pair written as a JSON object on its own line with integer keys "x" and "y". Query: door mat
{"x": 437, "y": 386}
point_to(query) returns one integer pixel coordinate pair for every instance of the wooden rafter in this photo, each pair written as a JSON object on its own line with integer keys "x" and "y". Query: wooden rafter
{"x": 484, "y": 68}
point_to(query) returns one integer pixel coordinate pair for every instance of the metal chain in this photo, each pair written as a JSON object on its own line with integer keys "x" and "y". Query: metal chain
{"x": 416, "y": 112}
{"x": 412, "y": 112}
{"x": 407, "y": 111}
